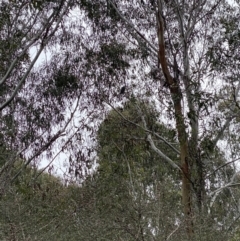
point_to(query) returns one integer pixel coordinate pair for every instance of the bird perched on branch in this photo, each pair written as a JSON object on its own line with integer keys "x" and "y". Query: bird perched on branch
{"x": 122, "y": 91}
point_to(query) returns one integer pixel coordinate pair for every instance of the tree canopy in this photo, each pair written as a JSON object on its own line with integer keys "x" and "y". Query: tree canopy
{"x": 63, "y": 64}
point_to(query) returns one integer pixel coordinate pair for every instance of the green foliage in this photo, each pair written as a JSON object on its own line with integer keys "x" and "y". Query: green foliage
{"x": 133, "y": 183}
{"x": 92, "y": 9}
{"x": 135, "y": 187}
{"x": 122, "y": 142}
{"x": 39, "y": 209}
{"x": 134, "y": 192}
{"x": 113, "y": 54}
{"x": 97, "y": 10}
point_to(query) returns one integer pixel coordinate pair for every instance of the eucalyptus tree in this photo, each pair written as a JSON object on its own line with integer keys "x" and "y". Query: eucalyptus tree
{"x": 134, "y": 188}
{"x": 182, "y": 56}
{"x": 28, "y": 29}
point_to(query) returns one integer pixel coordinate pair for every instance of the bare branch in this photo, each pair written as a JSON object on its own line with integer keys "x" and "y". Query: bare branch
{"x": 152, "y": 47}
{"x": 161, "y": 154}
{"x": 44, "y": 43}
{"x": 145, "y": 129}
{"x": 25, "y": 49}
{"x": 50, "y": 142}
{"x": 230, "y": 184}
{"x": 22, "y": 80}
{"x": 220, "y": 167}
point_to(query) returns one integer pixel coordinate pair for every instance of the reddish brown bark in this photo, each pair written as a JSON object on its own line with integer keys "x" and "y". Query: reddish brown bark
{"x": 182, "y": 135}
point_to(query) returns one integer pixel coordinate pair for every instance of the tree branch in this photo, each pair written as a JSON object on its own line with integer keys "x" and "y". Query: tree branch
{"x": 145, "y": 129}
{"x": 50, "y": 142}
{"x": 132, "y": 26}
{"x": 230, "y": 184}
{"x": 230, "y": 117}
{"x": 44, "y": 43}
{"x": 25, "y": 49}
{"x": 220, "y": 167}
{"x": 161, "y": 154}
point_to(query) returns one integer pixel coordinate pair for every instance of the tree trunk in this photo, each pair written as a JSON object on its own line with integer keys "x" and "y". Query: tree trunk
{"x": 176, "y": 96}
